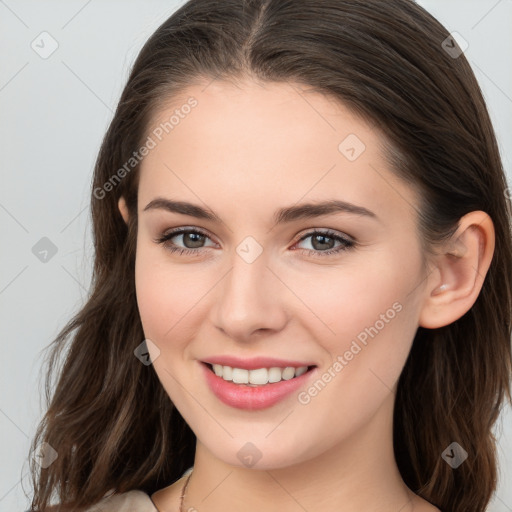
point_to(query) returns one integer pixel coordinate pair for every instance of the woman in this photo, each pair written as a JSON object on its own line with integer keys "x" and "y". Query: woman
{"x": 302, "y": 283}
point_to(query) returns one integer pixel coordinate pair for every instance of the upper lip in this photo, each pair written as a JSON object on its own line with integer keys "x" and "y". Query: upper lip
{"x": 253, "y": 363}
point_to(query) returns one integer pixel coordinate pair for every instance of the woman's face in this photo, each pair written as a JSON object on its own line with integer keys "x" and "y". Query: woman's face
{"x": 256, "y": 284}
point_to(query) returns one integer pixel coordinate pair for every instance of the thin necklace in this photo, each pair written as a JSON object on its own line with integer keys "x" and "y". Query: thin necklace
{"x": 183, "y": 492}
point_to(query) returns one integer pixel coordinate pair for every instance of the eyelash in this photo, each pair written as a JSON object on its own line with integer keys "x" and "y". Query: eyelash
{"x": 346, "y": 243}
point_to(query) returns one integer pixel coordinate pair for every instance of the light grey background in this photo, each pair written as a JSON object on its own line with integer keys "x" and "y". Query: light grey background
{"x": 54, "y": 112}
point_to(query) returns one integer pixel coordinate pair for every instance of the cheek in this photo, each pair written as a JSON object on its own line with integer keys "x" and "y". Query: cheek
{"x": 168, "y": 295}
{"x": 157, "y": 293}
{"x": 346, "y": 300}
{"x": 366, "y": 314}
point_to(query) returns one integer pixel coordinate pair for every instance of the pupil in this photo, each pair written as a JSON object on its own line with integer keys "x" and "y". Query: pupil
{"x": 321, "y": 237}
{"x": 197, "y": 241}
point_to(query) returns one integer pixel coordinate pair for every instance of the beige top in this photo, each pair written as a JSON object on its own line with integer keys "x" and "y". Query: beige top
{"x": 131, "y": 501}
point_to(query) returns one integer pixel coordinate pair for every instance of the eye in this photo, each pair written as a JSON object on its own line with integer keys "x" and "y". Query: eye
{"x": 191, "y": 237}
{"x": 321, "y": 241}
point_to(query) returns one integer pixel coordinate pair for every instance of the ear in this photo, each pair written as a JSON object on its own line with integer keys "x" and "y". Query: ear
{"x": 459, "y": 273}
{"x": 123, "y": 208}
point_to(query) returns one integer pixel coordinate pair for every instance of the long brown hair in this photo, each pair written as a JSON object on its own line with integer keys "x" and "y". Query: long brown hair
{"x": 109, "y": 418}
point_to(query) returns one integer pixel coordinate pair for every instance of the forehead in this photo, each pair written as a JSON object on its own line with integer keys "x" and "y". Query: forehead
{"x": 259, "y": 119}
{"x": 267, "y": 144}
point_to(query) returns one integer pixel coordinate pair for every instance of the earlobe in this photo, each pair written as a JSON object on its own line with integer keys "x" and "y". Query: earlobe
{"x": 123, "y": 208}
{"x": 461, "y": 270}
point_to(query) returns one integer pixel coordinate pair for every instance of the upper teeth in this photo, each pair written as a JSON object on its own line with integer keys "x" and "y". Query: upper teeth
{"x": 258, "y": 376}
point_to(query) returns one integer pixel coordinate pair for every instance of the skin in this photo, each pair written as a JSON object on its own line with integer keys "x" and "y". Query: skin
{"x": 244, "y": 151}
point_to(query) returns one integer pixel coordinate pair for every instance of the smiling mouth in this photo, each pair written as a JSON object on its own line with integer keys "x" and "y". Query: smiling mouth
{"x": 257, "y": 377}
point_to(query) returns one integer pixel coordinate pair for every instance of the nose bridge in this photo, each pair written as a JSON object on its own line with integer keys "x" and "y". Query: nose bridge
{"x": 249, "y": 297}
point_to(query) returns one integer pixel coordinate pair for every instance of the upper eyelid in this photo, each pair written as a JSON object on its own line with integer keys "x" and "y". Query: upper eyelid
{"x": 187, "y": 229}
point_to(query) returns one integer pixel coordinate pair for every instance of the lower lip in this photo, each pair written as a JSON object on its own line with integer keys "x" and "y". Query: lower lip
{"x": 252, "y": 398}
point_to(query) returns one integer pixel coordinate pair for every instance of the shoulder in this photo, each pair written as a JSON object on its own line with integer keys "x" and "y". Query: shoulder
{"x": 123, "y": 502}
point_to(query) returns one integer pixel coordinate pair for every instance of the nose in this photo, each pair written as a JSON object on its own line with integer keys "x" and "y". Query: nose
{"x": 249, "y": 300}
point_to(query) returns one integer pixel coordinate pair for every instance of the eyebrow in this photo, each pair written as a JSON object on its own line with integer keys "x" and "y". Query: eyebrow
{"x": 281, "y": 216}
